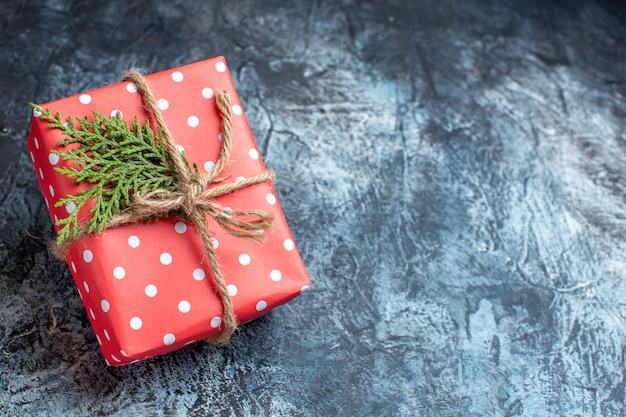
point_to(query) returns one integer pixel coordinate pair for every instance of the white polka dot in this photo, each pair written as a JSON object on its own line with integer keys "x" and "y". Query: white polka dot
{"x": 80, "y": 294}
{"x": 276, "y": 275}
{"x": 91, "y": 313}
{"x": 184, "y": 306}
{"x": 116, "y": 113}
{"x": 53, "y": 158}
{"x": 36, "y": 113}
{"x": 207, "y": 92}
{"x": 220, "y": 66}
{"x": 163, "y": 104}
{"x": 133, "y": 241}
{"x": 165, "y": 258}
{"x": 99, "y": 340}
{"x": 189, "y": 342}
{"x": 70, "y": 208}
{"x": 105, "y": 306}
{"x": 84, "y": 98}
{"x": 136, "y": 323}
{"x": 180, "y": 148}
{"x": 169, "y": 339}
{"x": 150, "y": 290}
{"x": 180, "y": 227}
{"x": 216, "y": 321}
{"x": 253, "y": 153}
{"x": 244, "y": 259}
{"x": 198, "y": 274}
{"x": 177, "y": 76}
{"x": 261, "y": 305}
{"x": 107, "y": 335}
{"x": 36, "y": 143}
{"x": 288, "y": 244}
{"x": 239, "y": 179}
{"x": 32, "y": 157}
{"x": 216, "y": 243}
{"x": 123, "y": 353}
{"x": 220, "y": 137}
{"x": 119, "y": 272}
{"x": 237, "y": 110}
{"x": 86, "y": 286}
{"x": 115, "y": 358}
{"x": 67, "y": 124}
{"x": 226, "y": 212}
{"x": 193, "y": 121}
{"x": 304, "y": 288}
{"x": 87, "y": 255}
{"x": 107, "y": 362}
{"x": 209, "y": 165}
{"x": 40, "y": 173}
{"x": 232, "y": 290}
{"x": 271, "y": 199}
{"x": 47, "y": 202}
{"x": 56, "y": 219}
{"x": 131, "y": 87}
{"x": 73, "y": 266}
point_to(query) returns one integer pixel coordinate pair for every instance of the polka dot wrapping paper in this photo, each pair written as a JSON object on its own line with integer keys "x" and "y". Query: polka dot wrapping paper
{"x": 147, "y": 287}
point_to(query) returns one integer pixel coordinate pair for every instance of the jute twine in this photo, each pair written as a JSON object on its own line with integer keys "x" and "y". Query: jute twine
{"x": 195, "y": 200}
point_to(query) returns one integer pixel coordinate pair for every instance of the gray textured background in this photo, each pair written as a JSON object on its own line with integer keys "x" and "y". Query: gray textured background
{"x": 452, "y": 172}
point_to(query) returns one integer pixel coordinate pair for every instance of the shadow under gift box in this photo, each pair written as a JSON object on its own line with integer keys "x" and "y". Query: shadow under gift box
{"x": 147, "y": 287}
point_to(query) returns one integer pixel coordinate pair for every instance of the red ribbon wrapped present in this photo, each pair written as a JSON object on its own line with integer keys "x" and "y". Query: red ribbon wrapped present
{"x": 147, "y": 287}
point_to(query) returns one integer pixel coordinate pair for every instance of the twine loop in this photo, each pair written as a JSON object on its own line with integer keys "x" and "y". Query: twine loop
{"x": 194, "y": 198}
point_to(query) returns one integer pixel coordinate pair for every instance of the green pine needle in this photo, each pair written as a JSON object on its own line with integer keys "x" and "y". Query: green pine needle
{"x": 118, "y": 160}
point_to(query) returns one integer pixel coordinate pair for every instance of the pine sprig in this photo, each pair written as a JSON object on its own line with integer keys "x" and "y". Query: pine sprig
{"x": 118, "y": 160}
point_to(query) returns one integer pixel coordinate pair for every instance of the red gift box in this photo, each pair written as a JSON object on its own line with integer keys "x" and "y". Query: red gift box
{"x": 147, "y": 287}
